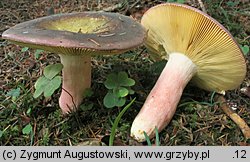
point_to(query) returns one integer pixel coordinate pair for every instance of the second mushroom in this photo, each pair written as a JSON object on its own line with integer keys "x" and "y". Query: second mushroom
{"x": 76, "y": 37}
{"x": 197, "y": 48}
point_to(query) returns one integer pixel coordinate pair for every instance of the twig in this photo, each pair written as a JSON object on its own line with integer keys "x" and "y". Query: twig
{"x": 71, "y": 99}
{"x": 95, "y": 42}
{"x": 58, "y": 124}
{"x": 91, "y": 131}
{"x": 235, "y": 117}
{"x": 70, "y": 143}
{"x": 248, "y": 37}
{"x": 107, "y": 35}
{"x": 246, "y": 91}
{"x": 134, "y": 4}
{"x": 117, "y": 6}
{"x": 202, "y": 6}
{"x": 88, "y": 7}
{"x": 112, "y": 8}
{"x": 122, "y": 33}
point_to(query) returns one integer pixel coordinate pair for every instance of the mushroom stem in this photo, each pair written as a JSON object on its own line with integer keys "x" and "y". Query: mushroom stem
{"x": 76, "y": 79}
{"x": 163, "y": 99}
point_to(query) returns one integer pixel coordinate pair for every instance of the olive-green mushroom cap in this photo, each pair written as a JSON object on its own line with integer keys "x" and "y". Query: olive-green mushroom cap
{"x": 180, "y": 28}
{"x": 79, "y": 33}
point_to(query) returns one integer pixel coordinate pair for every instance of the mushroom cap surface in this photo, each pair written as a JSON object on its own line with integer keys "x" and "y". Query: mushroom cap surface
{"x": 79, "y": 33}
{"x": 180, "y": 28}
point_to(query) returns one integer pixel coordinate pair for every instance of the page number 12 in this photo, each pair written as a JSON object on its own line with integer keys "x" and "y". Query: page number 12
{"x": 240, "y": 154}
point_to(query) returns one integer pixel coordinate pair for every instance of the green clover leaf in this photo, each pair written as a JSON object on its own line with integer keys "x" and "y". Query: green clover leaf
{"x": 111, "y": 81}
{"x": 14, "y": 92}
{"x": 123, "y": 92}
{"x": 27, "y": 129}
{"x": 46, "y": 86}
{"x": 110, "y": 100}
{"x": 245, "y": 49}
{"x": 52, "y": 85}
{"x": 51, "y": 71}
{"x": 118, "y": 85}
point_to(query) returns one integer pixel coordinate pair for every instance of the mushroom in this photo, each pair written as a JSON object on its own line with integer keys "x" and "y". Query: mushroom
{"x": 76, "y": 37}
{"x": 198, "y": 48}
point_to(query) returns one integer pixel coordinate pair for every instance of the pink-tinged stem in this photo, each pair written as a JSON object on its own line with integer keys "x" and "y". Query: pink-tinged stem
{"x": 163, "y": 99}
{"x": 76, "y": 79}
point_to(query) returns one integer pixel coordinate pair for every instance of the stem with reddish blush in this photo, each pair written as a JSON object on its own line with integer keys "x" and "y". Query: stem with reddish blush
{"x": 163, "y": 99}
{"x": 76, "y": 79}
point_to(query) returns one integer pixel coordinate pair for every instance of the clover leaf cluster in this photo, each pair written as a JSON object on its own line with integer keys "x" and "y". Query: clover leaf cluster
{"x": 119, "y": 86}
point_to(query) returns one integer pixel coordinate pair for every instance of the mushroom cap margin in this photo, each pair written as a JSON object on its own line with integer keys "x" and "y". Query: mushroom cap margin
{"x": 124, "y": 34}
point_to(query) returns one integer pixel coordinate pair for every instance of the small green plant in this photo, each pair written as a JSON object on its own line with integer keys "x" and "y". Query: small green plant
{"x": 87, "y": 105}
{"x": 232, "y": 3}
{"x": 24, "y": 49}
{"x": 1, "y": 133}
{"x": 27, "y": 129}
{"x": 119, "y": 86}
{"x": 36, "y": 54}
{"x": 14, "y": 93}
{"x": 245, "y": 49}
{"x": 117, "y": 119}
{"x": 49, "y": 82}
{"x": 45, "y": 138}
{"x": 157, "y": 138}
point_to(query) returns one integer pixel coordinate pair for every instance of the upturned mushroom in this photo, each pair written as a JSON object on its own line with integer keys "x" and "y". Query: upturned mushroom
{"x": 76, "y": 37}
{"x": 198, "y": 48}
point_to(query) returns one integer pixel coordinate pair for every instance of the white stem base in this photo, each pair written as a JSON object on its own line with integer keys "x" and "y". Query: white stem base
{"x": 76, "y": 79}
{"x": 163, "y": 99}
